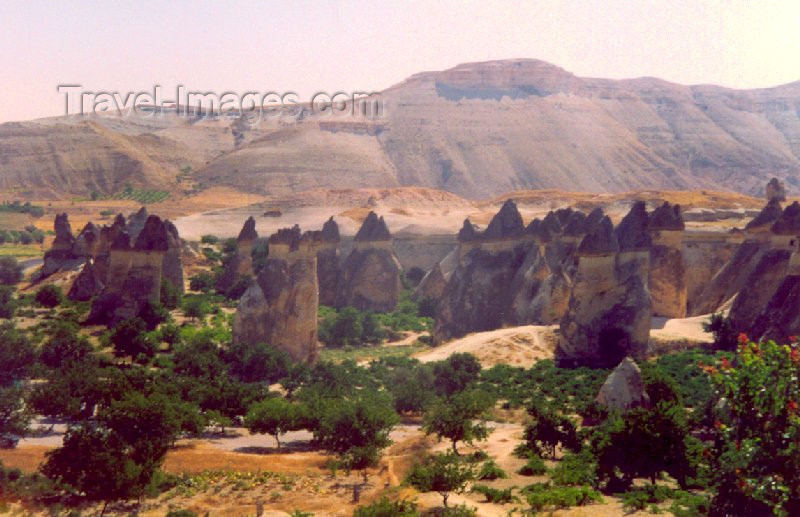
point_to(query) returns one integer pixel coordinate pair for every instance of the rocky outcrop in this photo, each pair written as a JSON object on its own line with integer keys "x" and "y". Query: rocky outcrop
{"x": 780, "y": 318}
{"x": 768, "y": 215}
{"x": 509, "y": 274}
{"x": 506, "y": 224}
{"x": 280, "y": 307}
{"x": 775, "y": 190}
{"x": 136, "y": 222}
{"x": 329, "y": 263}
{"x": 623, "y": 388}
{"x": 60, "y": 255}
{"x": 87, "y": 284}
{"x": 240, "y": 264}
{"x": 88, "y": 242}
{"x": 609, "y": 311}
{"x": 136, "y": 272}
{"x": 370, "y": 275}
{"x": 668, "y": 281}
{"x": 434, "y": 282}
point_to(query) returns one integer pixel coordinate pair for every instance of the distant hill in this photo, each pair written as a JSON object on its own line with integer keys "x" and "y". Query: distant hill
{"x": 478, "y": 130}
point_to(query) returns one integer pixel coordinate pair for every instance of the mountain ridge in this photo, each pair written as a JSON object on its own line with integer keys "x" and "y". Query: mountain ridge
{"x": 478, "y": 129}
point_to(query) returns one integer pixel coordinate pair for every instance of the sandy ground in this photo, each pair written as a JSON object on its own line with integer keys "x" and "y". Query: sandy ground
{"x": 690, "y": 329}
{"x": 517, "y": 346}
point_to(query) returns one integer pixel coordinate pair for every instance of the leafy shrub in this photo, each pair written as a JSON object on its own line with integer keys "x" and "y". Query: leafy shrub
{"x": 170, "y": 295}
{"x": 496, "y": 496}
{"x": 203, "y": 282}
{"x": 153, "y": 314}
{"x": 8, "y": 304}
{"x": 490, "y": 471}
{"x": 756, "y": 449}
{"x": 686, "y": 504}
{"x": 722, "y": 330}
{"x": 387, "y": 508}
{"x": 575, "y": 470}
{"x": 640, "y": 498}
{"x": 181, "y": 513}
{"x": 49, "y": 296}
{"x": 209, "y": 239}
{"x": 10, "y": 271}
{"x": 534, "y": 467}
{"x": 541, "y": 496}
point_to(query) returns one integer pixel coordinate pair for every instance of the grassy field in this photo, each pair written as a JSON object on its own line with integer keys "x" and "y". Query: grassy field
{"x": 339, "y": 355}
{"x": 21, "y": 251}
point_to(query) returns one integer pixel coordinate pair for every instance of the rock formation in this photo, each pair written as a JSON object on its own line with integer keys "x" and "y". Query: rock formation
{"x": 370, "y": 275}
{"x": 623, "y": 388}
{"x": 240, "y": 265}
{"x": 136, "y": 272}
{"x": 609, "y": 310}
{"x": 477, "y": 295}
{"x": 280, "y": 307}
{"x": 60, "y": 255}
{"x": 87, "y": 284}
{"x": 775, "y": 190}
{"x": 509, "y": 274}
{"x": 668, "y": 275}
{"x": 329, "y": 263}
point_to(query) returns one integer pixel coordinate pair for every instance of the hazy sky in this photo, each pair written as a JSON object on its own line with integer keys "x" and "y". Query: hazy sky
{"x": 310, "y": 46}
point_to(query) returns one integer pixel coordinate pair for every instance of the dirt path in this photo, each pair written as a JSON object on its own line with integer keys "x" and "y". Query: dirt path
{"x": 517, "y": 346}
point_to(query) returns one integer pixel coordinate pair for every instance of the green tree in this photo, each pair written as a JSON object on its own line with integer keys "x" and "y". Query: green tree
{"x": 443, "y": 473}
{"x": 274, "y": 416}
{"x": 257, "y": 362}
{"x": 461, "y": 418}
{"x": 64, "y": 346}
{"x": 10, "y": 271}
{"x": 456, "y": 373}
{"x": 8, "y": 303}
{"x": 96, "y": 463}
{"x": 548, "y": 428}
{"x": 199, "y": 358}
{"x": 14, "y": 418}
{"x": 72, "y": 392}
{"x": 641, "y": 444}
{"x": 195, "y": 308}
{"x": 130, "y": 338}
{"x": 148, "y": 425}
{"x": 411, "y": 386}
{"x": 356, "y": 429}
{"x": 153, "y": 314}
{"x": 346, "y": 329}
{"x": 17, "y": 354}
{"x": 170, "y": 295}
{"x": 203, "y": 282}
{"x": 49, "y": 296}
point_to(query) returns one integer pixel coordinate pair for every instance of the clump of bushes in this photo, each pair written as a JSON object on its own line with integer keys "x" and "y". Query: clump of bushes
{"x": 534, "y": 467}
{"x": 542, "y": 496}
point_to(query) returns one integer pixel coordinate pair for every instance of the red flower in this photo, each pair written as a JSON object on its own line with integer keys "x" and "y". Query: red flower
{"x": 743, "y": 338}
{"x": 793, "y": 339}
{"x": 792, "y": 406}
{"x": 795, "y": 355}
{"x": 725, "y": 363}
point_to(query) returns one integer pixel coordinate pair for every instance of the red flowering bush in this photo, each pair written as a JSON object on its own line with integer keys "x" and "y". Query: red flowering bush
{"x": 757, "y": 428}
